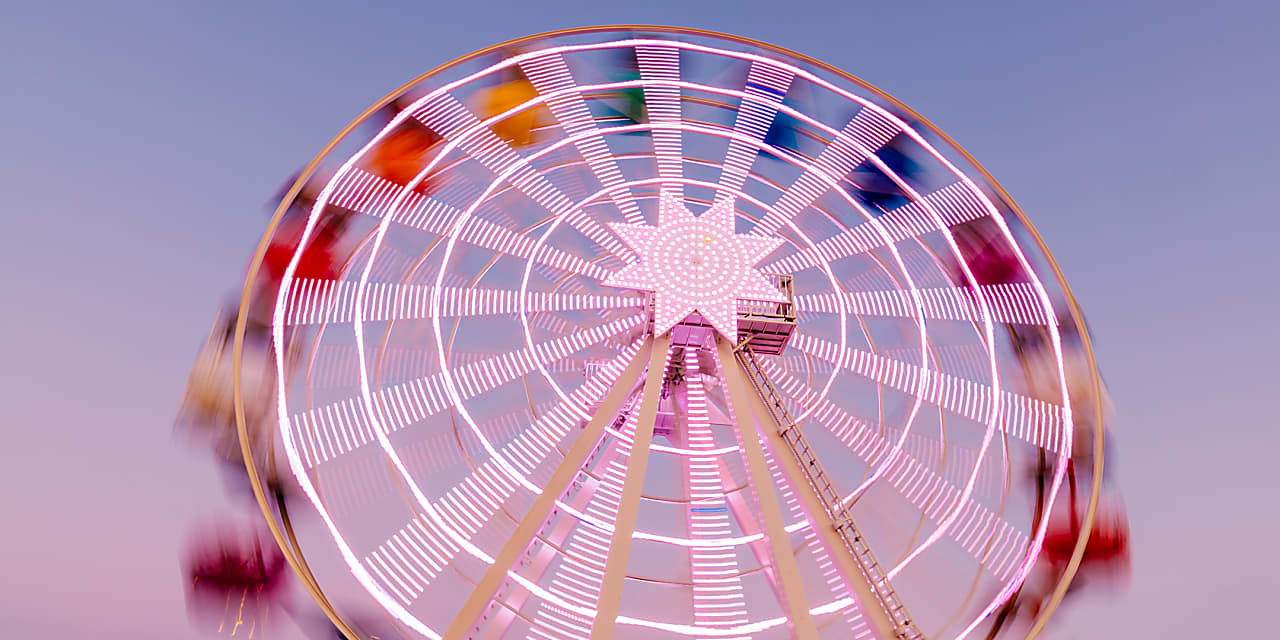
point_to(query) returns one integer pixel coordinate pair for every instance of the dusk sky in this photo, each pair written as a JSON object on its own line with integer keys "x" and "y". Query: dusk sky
{"x": 142, "y": 142}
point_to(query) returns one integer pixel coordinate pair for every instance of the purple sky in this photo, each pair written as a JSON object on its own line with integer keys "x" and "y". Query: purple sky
{"x": 141, "y": 143}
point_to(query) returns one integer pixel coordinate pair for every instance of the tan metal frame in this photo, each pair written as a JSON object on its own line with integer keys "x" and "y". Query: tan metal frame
{"x": 533, "y": 519}
{"x": 539, "y": 563}
{"x": 615, "y": 570}
{"x": 784, "y": 561}
{"x": 820, "y": 520}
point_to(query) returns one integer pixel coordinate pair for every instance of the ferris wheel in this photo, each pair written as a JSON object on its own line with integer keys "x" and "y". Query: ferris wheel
{"x": 665, "y": 333}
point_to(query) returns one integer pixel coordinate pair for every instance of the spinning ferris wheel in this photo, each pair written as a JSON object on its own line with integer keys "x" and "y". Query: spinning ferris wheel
{"x": 664, "y": 334}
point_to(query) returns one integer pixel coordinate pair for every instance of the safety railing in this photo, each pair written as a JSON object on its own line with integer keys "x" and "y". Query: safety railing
{"x": 766, "y": 310}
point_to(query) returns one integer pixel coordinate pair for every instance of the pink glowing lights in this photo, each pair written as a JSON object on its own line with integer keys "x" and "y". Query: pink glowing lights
{"x": 565, "y": 306}
{"x": 696, "y": 263}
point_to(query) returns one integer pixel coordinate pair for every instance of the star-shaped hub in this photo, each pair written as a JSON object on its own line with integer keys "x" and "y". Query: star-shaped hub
{"x": 696, "y": 263}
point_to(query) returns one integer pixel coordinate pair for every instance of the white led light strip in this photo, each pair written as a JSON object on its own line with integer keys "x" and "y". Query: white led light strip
{"x": 398, "y": 570}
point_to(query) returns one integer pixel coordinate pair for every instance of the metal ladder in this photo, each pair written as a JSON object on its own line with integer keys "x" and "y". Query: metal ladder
{"x": 888, "y": 599}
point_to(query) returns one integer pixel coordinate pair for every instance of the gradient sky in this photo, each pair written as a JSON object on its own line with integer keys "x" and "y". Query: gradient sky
{"x": 141, "y": 142}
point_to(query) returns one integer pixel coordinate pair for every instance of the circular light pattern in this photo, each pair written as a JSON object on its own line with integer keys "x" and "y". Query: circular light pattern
{"x": 471, "y": 418}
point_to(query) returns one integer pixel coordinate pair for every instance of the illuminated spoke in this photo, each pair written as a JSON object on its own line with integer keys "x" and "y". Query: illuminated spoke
{"x": 472, "y": 503}
{"x": 359, "y": 481}
{"x": 1013, "y": 303}
{"x": 967, "y": 360}
{"x": 328, "y": 301}
{"x": 537, "y": 515}
{"x": 993, "y": 541}
{"x": 450, "y": 118}
{"x": 766, "y": 87}
{"x": 1029, "y": 419}
{"x": 342, "y": 426}
{"x": 499, "y": 336}
{"x": 662, "y": 64}
{"x": 336, "y": 366}
{"x": 549, "y": 73}
{"x": 956, "y": 204}
{"x": 372, "y": 195}
{"x": 869, "y": 129}
{"x": 718, "y": 599}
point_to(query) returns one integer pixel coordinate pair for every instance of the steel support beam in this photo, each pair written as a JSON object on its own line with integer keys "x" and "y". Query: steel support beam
{"x": 541, "y": 561}
{"x": 819, "y": 519}
{"x": 615, "y": 568}
{"x": 465, "y": 620}
{"x": 784, "y": 560}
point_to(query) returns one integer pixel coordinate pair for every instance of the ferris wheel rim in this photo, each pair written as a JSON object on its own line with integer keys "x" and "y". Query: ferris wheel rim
{"x": 310, "y": 170}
